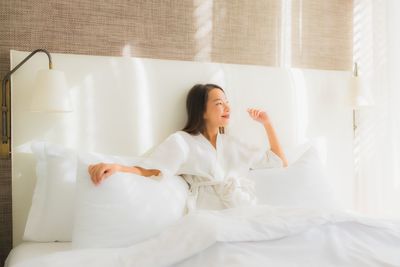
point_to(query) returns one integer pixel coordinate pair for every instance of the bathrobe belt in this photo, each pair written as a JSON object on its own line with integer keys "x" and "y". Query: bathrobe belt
{"x": 231, "y": 191}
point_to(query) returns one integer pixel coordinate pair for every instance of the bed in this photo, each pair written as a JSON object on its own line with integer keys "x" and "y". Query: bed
{"x": 125, "y": 106}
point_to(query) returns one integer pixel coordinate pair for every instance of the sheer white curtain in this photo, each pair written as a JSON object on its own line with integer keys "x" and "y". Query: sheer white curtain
{"x": 377, "y": 140}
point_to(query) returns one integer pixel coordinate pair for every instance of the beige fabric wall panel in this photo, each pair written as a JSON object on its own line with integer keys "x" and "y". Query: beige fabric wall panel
{"x": 152, "y": 28}
{"x": 247, "y": 32}
{"x": 235, "y": 31}
{"x": 322, "y": 34}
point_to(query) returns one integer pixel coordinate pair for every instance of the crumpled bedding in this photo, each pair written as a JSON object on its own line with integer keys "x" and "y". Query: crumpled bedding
{"x": 252, "y": 236}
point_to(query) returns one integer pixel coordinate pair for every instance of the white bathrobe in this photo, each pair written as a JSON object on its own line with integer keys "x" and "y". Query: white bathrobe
{"x": 216, "y": 177}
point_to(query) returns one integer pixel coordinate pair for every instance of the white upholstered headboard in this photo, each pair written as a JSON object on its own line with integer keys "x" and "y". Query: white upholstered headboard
{"x": 125, "y": 105}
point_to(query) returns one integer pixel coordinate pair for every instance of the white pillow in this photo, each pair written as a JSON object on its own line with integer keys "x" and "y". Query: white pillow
{"x": 125, "y": 208}
{"x": 53, "y": 203}
{"x": 51, "y": 212}
{"x": 303, "y": 184}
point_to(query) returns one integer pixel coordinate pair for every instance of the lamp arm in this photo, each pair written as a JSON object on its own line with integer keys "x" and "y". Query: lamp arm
{"x": 6, "y": 78}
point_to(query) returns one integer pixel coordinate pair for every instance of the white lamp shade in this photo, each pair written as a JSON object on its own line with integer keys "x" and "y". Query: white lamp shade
{"x": 360, "y": 93}
{"x": 50, "y": 92}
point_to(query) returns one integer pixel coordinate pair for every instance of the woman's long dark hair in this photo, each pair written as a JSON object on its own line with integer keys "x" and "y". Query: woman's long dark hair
{"x": 196, "y": 102}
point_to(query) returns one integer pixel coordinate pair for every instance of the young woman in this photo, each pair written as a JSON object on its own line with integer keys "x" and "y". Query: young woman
{"x": 214, "y": 164}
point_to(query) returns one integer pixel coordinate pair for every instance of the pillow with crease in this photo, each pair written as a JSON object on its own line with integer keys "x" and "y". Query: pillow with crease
{"x": 125, "y": 208}
{"x": 303, "y": 184}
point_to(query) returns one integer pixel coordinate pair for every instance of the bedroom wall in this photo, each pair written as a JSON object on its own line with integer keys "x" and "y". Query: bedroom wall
{"x": 307, "y": 34}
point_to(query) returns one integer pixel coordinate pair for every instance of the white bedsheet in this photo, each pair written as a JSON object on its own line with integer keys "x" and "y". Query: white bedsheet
{"x": 257, "y": 236}
{"x": 30, "y": 250}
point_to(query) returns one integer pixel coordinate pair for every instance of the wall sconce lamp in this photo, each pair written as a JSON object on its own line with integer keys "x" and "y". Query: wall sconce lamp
{"x": 360, "y": 95}
{"x": 50, "y": 93}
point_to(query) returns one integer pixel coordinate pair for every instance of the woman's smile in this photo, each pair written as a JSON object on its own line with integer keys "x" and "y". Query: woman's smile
{"x": 226, "y": 116}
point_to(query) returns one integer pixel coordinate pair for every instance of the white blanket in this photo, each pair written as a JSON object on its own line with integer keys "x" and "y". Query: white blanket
{"x": 285, "y": 237}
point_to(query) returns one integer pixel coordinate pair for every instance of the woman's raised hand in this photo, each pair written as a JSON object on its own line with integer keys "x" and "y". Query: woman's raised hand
{"x": 258, "y": 115}
{"x": 101, "y": 171}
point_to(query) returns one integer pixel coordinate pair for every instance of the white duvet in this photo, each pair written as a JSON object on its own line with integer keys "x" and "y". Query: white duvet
{"x": 252, "y": 236}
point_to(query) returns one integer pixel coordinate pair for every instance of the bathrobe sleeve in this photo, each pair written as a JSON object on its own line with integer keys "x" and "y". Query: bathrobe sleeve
{"x": 168, "y": 157}
{"x": 266, "y": 159}
{"x": 258, "y": 157}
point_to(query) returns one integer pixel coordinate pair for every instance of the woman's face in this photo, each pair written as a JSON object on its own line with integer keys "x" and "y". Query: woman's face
{"x": 217, "y": 109}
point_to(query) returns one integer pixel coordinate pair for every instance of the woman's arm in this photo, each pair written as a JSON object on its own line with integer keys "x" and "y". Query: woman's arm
{"x": 262, "y": 117}
{"x": 274, "y": 143}
{"x": 160, "y": 158}
{"x": 101, "y": 171}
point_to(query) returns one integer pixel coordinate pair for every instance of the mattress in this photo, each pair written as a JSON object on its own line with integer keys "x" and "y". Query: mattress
{"x": 30, "y": 250}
